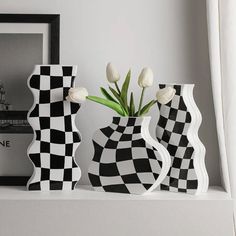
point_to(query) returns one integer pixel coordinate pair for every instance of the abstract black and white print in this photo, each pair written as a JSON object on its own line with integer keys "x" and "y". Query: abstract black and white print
{"x": 56, "y": 137}
{"x": 123, "y": 160}
{"x": 171, "y": 131}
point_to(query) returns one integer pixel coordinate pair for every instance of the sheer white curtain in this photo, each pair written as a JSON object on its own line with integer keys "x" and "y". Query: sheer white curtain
{"x": 221, "y": 16}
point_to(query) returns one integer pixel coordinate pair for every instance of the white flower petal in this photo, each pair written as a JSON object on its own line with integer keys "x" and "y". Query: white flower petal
{"x": 112, "y": 74}
{"x": 145, "y": 78}
{"x": 165, "y": 95}
{"x": 77, "y": 95}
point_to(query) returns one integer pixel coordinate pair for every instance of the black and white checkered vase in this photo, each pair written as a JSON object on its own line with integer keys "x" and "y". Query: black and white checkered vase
{"x": 177, "y": 130}
{"x": 55, "y": 135}
{"x": 126, "y": 158}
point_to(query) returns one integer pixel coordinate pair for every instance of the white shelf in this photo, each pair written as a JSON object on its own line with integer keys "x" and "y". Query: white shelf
{"x": 84, "y": 212}
{"x": 85, "y": 192}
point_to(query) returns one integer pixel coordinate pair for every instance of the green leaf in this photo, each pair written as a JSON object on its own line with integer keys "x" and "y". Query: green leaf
{"x": 119, "y": 99}
{"x": 124, "y": 89}
{"x": 107, "y": 95}
{"x": 132, "y": 106}
{"x": 147, "y": 107}
{"x": 114, "y": 106}
{"x": 116, "y": 95}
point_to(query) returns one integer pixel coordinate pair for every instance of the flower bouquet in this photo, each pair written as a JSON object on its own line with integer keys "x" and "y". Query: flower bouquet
{"x": 118, "y": 99}
{"x": 126, "y": 159}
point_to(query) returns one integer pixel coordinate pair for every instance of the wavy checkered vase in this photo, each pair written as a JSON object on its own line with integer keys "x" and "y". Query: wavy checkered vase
{"x": 177, "y": 130}
{"x": 55, "y": 135}
{"x": 126, "y": 158}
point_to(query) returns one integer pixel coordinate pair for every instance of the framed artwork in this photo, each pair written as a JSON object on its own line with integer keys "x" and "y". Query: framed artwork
{"x": 25, "y": 41}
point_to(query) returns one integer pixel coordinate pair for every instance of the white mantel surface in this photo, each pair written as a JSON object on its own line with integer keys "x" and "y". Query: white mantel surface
{"x": 84, "y": 212}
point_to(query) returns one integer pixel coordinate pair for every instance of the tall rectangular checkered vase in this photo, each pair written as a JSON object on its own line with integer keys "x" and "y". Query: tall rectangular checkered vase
{"x": 177, "y": 130}
{"x": 55, "y": 135}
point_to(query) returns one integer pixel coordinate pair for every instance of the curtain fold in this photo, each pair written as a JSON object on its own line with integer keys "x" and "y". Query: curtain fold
{"x": 221, "y": 16}
{"x": 218, "y": 80}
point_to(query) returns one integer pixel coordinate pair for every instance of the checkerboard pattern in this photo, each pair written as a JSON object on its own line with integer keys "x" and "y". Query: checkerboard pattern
{"x": 171, "y": 132}
{"x": 123, "y": 161}
{"x": 56, "y": 138}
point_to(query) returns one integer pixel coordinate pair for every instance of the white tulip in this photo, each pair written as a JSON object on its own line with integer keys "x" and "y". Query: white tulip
{"x": 165, "y": 95}
{"x": 77, "y": 95}
{"x": 145, "y": 78}
{"x": 112, "y": 74}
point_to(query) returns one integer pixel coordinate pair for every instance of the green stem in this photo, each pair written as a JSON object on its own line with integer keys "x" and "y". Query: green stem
{"x": 117, "y": 87}
{"x": 141, "y": 101}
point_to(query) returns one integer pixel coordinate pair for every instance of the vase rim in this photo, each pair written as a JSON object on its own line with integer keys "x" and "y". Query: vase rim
{"x": 55, "y": 65}
{"x": 133, "y": 117}
{"x": 187, "y": 84}
{"x": 124, "y": 120}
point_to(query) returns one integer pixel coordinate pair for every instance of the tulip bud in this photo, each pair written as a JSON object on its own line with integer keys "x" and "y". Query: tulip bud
{"x": 145, "y": 78}
{"x": 77, "y": 95}
{"x": 112, "y": 74}
{"x": 165, "y": 95}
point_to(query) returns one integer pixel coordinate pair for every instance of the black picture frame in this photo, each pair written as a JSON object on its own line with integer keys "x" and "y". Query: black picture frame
{"x": 54, "y": 31}
{"x": 52, "y": 19}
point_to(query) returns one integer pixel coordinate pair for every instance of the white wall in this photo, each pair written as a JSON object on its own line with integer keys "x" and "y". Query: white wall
{"x": 169, "y": 36}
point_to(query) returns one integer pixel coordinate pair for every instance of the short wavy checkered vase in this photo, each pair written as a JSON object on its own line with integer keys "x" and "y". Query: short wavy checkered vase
{"x": 55, "y": 136}
{"x": 126, "y": 158}
{"x": 177, "y": 130}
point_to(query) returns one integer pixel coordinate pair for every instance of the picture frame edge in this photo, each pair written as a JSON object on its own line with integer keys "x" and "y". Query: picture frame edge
{"x": 54, "y": 23}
